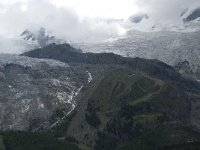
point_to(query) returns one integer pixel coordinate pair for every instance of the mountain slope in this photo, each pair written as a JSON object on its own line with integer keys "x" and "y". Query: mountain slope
{"x": 168, "y": 47}
{"x": 127, "y": 101}
{"x": 65, "y": 53}
{"x": 33, "y": 89}
{"x": 124, "y": 105}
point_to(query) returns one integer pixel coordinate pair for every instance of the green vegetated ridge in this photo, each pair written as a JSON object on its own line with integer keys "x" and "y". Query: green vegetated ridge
{"x": 132, "y": 110}
{"x": 2, "y": 146}
{"x": 131, "y": 104}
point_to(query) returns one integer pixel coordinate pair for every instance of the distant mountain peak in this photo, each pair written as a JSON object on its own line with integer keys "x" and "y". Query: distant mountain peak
{"x": 194, "y": 14}
{"x": 41, "y": 36}
{"x": 28, "y": 35}
{"x": 138, "y": 18}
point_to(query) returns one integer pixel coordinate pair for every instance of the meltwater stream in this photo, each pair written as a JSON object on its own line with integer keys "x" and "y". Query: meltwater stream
{"x": 72, "y": 101}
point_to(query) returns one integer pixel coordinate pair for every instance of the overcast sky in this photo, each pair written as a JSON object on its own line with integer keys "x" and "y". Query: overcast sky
{"x": 76, "y": 20}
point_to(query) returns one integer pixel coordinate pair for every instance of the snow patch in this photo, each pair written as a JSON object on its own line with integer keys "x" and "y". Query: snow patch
{"x": 89, "y": 76}
{"x": 56, "y": 82}
{"x": 25, "y": 105}
{"x": 40, "y": 104}
{"x": 62, "y": 97}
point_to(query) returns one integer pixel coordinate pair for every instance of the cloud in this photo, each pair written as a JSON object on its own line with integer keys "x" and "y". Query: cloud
{"x": 76, "y": 19}
{"x": 60, "y": 21}
{"x": 82, "y": 20}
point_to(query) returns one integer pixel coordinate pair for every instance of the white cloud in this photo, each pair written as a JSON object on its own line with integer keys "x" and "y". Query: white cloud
{"x": 90, "y": 20}
{"x": 118, "y": 9}
{"x": 62, "y": 21}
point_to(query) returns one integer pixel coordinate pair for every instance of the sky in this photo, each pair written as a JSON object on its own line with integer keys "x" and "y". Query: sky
{"x": 81, "y": 17}
{"x": 79, "y": 20}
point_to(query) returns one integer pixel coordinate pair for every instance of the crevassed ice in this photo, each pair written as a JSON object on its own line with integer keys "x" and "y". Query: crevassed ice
{"x": 28, "y": 61}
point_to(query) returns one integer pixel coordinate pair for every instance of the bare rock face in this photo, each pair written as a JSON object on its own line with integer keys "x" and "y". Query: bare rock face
{"x": 184, "y": 68}
{"x": 31, "y": 90}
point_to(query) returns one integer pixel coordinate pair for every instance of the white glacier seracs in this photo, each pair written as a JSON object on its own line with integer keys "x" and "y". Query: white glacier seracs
{"x": 34, "y": 88}
{"x": 28, "y": 61}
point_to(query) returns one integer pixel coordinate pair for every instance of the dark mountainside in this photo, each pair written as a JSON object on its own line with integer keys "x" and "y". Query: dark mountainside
{"x": 194, "y": 15}
{"x": 128, "y": 103}
{"x": 67, "y": 54}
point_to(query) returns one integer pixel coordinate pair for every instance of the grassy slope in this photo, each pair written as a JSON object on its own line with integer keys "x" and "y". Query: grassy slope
{"x": 130, "y": 105}
{"x": 35, "y": 141}
{"x": 2, "y": 146}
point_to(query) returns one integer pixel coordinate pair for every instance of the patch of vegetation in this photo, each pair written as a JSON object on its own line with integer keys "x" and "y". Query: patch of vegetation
{"x": 147, "y": 113}
{"x": 2, "y": 146}
{"x": 106, "y": 141}
{"x": 187, "y": 146}
{"x": 108, "y": 93}
{"x": 91, "y": 116}
{"x": 140, "y": 88}
{"x": 35, "y": 141}
{"x": 71, "y": 139}
{"x": 175, "y": 137}
{"x": 61, "y": 129}
{"x": 59, "y": 113}
{"x": 164, "y": 137}
{"x": 149, "y": 119}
